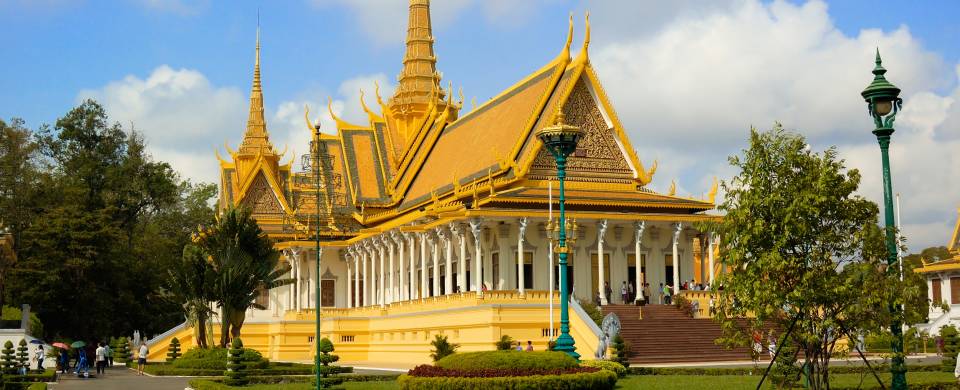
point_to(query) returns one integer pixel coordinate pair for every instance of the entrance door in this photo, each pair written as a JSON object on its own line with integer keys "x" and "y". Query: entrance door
{"x": 668, "y": 271}
{"x": 527, "y": 270}
{"x": 328, "y": 293}
{"x": 495, "y": 283}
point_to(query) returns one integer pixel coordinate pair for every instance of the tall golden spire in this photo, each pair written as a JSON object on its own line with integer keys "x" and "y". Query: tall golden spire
{"x": 419, "y": 80}
{"x": 256, "y": 137}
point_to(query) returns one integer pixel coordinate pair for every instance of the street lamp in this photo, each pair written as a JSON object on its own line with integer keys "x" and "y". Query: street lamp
{"x": 316, "y": 174}
{"x": 883, "y": 103}
{"x": 561, "y": 140}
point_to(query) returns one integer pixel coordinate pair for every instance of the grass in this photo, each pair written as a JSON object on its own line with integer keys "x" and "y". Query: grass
{"x": 737, "y": 382}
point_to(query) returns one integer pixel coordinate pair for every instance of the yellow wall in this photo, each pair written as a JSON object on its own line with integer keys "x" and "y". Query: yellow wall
{"x": 400, "y": 333}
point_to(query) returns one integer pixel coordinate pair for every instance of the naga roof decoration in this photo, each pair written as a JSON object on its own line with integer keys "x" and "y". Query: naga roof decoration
{"x": 416, "y": 156}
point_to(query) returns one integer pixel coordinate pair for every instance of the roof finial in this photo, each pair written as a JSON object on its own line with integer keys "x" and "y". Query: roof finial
{"x": 586, "y": 37}
{"x": 256, "y": 136}
{"x": 566, "y": 46}
{"x": 879, "y": 70}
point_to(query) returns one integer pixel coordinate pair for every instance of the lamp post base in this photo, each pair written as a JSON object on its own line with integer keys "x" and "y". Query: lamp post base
{"x": 565, "y": 345}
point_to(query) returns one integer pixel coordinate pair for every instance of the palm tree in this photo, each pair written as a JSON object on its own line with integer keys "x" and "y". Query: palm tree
{"x": 191, "y": 285}
{"x": 244, "y": 262}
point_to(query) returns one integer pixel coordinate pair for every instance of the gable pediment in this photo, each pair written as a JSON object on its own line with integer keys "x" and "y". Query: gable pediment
{"x": 260, "y": 197}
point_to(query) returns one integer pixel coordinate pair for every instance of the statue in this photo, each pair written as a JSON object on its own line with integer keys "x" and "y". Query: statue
{"x": 609, "y": 327}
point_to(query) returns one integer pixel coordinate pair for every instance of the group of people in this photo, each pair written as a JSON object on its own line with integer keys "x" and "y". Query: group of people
{"x": 628, "y": 293}
{"x": 102, "y": 355}
{"x": 529, "y": 346}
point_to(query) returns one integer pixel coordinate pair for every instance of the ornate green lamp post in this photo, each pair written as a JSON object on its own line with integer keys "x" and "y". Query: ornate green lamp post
{"x": 316, "y": 175}
{"x": 561, "y": 140}
{"x": 883, "y": 102}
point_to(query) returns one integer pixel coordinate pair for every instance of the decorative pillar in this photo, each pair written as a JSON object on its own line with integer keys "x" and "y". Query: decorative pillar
{"x": 435, "y": 241}
{"x": 457, "y": 230}
{"x": 424, "y": 290}
{"x": 296, "y": 265}
{"x": 412, "y": 280}
{"x": 366, "y": 274}
{"x": 710, "y": 257}
{"x": 475, "y": 228}
{"x": 448, "y": 266}
{"x": 356, "y": 278}
{"x": 638, "y": 289}
{"x": 398, "y": 240}
{"x": 676, "y": 259}
{"x": 349, "y": 275}
{"x": 520, "y": 275}
{"x": 382, "y": 293}
{"x": 601, "y": 278}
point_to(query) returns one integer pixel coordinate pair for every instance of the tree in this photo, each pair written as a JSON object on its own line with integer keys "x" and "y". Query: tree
{"x": 9, "y": 360}
{"x": 621, "y": 351}
{"x": 326, "y": 346}
{"x": 807, "y": 253}
{"x": 244, "y": 262}
{"x": 173, "y": 351}
{"x": 191, "y": 286}
{"x": 236, "y": 369}
{"x": 18, "y": 152}
{"x": 23, "y": 356}
{"x": 442, "y": 347}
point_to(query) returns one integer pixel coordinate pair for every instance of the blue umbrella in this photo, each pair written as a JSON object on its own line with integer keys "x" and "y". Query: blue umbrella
{"x": 36, "y": 341}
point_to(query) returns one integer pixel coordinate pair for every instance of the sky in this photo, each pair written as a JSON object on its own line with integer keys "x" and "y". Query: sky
{"x": 688, "y": 79}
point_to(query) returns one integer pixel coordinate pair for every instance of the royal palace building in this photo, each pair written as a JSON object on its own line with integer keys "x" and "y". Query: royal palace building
{"x": 434, "y": 219}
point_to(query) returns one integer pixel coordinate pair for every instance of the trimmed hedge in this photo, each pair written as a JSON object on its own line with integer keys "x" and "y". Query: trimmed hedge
{"x": 946, "y": 385}
{"x": 48, "y": 375}
{"x": 599, "y": 380}
{"x": 216, "y": 359}
{"x": 433, "y": 371}
{"x": 23, "y": 386}
{"x": 272, "y": 369}
{"x": 608, "y": 365}
{"x": 748, "y": 370}
{"x": 521, "y": 360}
{"x": 217, "y": 384}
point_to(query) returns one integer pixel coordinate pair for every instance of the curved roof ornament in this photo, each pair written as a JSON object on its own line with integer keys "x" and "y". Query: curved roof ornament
{"x": 566, "y": 47}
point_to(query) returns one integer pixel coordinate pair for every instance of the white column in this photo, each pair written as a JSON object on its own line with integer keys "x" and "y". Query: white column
{"x": 457, "y": 230}
{"x": 412, "y": 280}
{"x": 382, "y": 294}
{"x": 398, "y": 240}
{"x": 366, "y": 274}
{"x": 447, "y": 239}
{"x": 676, "y": 259}
{"x": 392, "y": 294}
{"x": 424, "y": 290}
{"x": 475, "y": 228}
{"x": 601, "y": 278}
{"x": 356, "y": 277}
{"x": 638, "y": 289}
{"x": 299, "y": 293}
{"x": 520, "y": 275}
{"x": 349, "y": 279}
{"x": 436, "y": 264}
{"x": 291, "y": 302}
{"x": 710, "y": 261}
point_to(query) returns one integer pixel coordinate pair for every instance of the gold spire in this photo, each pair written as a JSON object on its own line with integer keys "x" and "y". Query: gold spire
{"x": 256, "y": 136}
{"x": 419, "y": 77}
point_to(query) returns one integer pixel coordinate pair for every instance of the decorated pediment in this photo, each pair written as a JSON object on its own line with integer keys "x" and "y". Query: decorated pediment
{"x": 260, "y": 197}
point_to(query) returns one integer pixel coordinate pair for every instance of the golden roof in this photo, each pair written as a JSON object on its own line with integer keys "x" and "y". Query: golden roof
{"x": 951, "y": 264}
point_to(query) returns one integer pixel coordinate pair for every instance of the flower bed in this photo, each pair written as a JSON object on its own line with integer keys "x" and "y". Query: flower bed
{"x": 521, "y": 360}
{"x": 433, "y": 371}
{"x": 599, "y": 380}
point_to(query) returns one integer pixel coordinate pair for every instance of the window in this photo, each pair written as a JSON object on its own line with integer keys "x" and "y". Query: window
{"x": 495, "y": 259}
{"x": 328, "y": 293}
{"x": 263, "y": 299}
{"x": 955, "y": 290}
{"x": 527, "y": 270}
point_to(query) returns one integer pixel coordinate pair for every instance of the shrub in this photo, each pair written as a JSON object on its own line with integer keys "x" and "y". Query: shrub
{"x": 551, "y": 345}
{"x": 505, "y": 343}
{"x": 434, "y": 371}
{"x": 216, "y": 359}
{"x": 785, "y": 372}
{"x": 235, "y": 375}
{"x": 173, "y": 352}
{"x": 682, "y": 303}
{"x": 593, "y": 311}
{"x": 608, "y": 365}
{"x": 325, "y": 359}
{"x": 599, "y": 380}
{"x": 543, "y": 360}
{"x": 48, "y": 375}
{"x": 9, "y": 360}
{"x": 621, "y": 351}
{"x": 23, "y": 357}
{"x": 442, "y": 348}
{"x": 121, "y": 350}
{"x": 949, "y": 334}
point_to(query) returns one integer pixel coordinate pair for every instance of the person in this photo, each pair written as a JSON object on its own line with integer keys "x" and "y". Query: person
{"x": 101, "y": 359}
{"x": 660, "y": 291}
{"x": 757, "y": 347}
{"x": 623, "y": 292}
{"x": 142, "y": 358}
{"x": 771, "y": 345}
{"x": 631, "y": 293}
{"x": 82, "y": 366}
{"x": 38, "y": 356}
{"x": 712, "y": 306}
{"x": 519, "y": 347}
{"x": 109, "y": 354}
{"x": 529, "y": 346}
{"x": 598, "y": 300}
{"x": 607, "y": 290}
{"x": 666, "y": 294}
{"x": 64, "y": 361}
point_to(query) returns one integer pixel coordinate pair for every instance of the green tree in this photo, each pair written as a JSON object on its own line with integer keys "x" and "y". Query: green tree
{"x": 806, "y": 248}
{"x": 244, "y": 262}
{"x": 191, "y": 284}
{"x": 326, "y": 358}
{"x": 442, "y": 347}
{"x": 18, "y": 154}
{"x": 23, "y": 356}
{"x": 505, "y": 343}
{"x": 173, "y": 351}
{"x": 236, "y": 369}
{"x": 8, "y": 358}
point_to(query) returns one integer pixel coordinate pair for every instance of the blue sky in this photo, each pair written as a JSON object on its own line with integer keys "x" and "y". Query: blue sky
{"x": 688, "y": 78}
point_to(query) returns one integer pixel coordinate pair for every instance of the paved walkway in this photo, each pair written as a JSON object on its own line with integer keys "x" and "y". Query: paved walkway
{"x": 120, "y": 378}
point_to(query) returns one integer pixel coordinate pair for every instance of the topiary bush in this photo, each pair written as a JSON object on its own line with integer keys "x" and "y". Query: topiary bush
{"x": 949, "y": 334}
{"x": 173, "y": 351}
{"x": 505, "y": 343}
{"x": 621, "y": 352}
{"x": 442, "y": 348}
{"x": 216, "y": 359}
{"x": 9, "y": 361}
{"x": 235, "y": 375}
{"x": 596, "y": 380}
{"x": 608, "y": 365}
{"x": 23, "y": 357}
{"x": 536, "y": 360}
{"x": 326, "y": 370}
{"x": 121, "y": 350}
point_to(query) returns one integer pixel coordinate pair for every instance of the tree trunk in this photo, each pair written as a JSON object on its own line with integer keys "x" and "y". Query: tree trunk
{"x": 201, "y": 327}
{"x": 224, "y": 326}
{"x": 236, "y": 322}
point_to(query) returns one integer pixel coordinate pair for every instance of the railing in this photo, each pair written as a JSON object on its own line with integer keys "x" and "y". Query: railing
{"x": 457, "y": 300}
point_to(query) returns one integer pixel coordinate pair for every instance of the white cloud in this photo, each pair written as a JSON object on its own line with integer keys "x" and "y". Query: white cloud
{"x": 689, "y": 89}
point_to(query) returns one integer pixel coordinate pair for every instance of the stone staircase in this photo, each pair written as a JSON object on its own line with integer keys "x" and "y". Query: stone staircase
{"x": 666, "y": 335}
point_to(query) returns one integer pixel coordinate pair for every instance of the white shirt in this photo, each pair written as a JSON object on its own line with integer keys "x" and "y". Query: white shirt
{"x": 956, "y": 370}
{"x": 143, "y": 351}
{"x": 101, "y": 354}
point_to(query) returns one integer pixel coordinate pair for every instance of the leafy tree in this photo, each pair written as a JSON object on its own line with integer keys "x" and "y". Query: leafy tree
{"x": 18, "y": 153}
{"x": 191, "y": 286}
{"x": 806, "y": 249}
{"x": 121, "y": 349}
{"x": 442, "y": 348}
{"x": 244, "y": 261}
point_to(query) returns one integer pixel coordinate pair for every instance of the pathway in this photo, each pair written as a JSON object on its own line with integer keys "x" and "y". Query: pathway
{"x": 121, "y": 378}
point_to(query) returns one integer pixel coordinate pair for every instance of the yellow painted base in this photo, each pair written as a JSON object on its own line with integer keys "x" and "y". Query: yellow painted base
{"x": 400, "y": 333}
